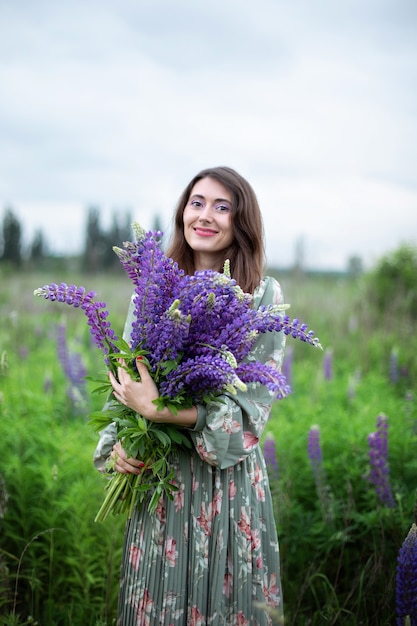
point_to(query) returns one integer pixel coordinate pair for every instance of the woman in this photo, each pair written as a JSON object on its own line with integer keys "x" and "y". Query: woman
{"x": 210, "y": 556}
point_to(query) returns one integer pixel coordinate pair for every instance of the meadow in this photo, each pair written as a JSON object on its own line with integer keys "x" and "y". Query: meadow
{"x": 339, "y": 533}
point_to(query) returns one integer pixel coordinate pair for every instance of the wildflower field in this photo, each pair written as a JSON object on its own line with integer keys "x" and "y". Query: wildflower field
{"x": 341, "y": 449}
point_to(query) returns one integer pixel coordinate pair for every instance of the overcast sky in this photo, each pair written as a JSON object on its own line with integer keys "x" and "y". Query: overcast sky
{"x": 118, "y": 103}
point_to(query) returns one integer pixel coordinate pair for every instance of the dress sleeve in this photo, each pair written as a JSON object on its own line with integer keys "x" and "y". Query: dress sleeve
{"x": 108, "y": 437}
{"x": 230, "y": 428}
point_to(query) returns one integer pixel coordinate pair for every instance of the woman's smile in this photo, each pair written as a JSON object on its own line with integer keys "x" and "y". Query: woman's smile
{"x": 204, "y": 232}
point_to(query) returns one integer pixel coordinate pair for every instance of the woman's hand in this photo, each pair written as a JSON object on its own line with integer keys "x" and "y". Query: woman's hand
{"x": 136, "y": 394}
{"x": 139, "y": 395}
{"x": 121, "y": 463}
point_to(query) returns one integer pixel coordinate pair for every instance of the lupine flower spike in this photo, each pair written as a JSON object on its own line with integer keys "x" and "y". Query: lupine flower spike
{"x": 73, "y": 368}
{"x": 316, "y": 461}
{"x": 406, "y": 581}
{"x": 378, "y": 458}
{"x": 393, "y": 366}
{"x": 270, "y": 455}
{"x": 103, "y": 335}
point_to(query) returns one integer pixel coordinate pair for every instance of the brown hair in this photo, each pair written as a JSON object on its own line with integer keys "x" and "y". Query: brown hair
{"x": 246, "y": 253}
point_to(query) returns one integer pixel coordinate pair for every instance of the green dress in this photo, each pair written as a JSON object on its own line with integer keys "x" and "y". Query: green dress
{"x": 210, "y": 556}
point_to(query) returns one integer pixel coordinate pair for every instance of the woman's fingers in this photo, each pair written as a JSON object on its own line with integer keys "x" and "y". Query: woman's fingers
{"x": 122, "y": 463}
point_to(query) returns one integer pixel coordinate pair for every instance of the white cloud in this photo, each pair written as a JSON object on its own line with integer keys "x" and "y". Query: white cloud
{"x": 119, "y": 105}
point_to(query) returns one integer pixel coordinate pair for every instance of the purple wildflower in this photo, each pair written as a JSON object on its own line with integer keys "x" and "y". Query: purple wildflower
{"x": 155, "y": 278}
{"x": 378, "y": 458}
{"x": 406, "y": 580}
{"x": 315, "y": 453}
{"x": 100, "y": 328}
{"x": 168, "y": 337}
{"x": 287, "y": 366}
{"x": 199, "y": 377}
{"x": 266, "y": 375}
{"x": 73, "y": 368}
{"x": 270, "y": 454}
{"x": 316, "y": 461}
{"x": 4, "y": 497}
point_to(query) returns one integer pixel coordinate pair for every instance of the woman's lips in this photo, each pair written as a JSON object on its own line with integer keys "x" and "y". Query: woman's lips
{"x": 204, "y": 232}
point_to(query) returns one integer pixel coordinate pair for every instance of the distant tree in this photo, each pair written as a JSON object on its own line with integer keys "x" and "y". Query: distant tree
{"x": 95, "y": 243}
{"x": 120, "y": 231}
{"x": 38, "y": 247}
{"x": 392, "y": 285}
{"x": 299, "y": 256}
{"x": 12, "y": 239}
{"x": 355, "y": 266}
{"x": 157, "y": 224}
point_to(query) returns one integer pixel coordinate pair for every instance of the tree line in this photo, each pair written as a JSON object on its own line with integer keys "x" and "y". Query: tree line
{"x": 97, "y": 252}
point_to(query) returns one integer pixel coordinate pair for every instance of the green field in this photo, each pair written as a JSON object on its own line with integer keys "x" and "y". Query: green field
{"x": 339, "y": 541}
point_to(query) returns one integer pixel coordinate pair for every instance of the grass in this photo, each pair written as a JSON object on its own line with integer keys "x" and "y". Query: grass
{"x": 338, "y": 547}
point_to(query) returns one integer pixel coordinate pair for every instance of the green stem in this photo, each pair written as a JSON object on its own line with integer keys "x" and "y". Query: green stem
{"x": 116, "y": 485}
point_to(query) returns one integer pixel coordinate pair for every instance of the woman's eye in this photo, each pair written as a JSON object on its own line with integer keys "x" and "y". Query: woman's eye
{"x": 196, "y": 203}
{"x": 223, "y": 208}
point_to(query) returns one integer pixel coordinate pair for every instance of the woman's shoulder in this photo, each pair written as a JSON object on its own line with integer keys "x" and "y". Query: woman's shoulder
{"x": 269, "y": 291}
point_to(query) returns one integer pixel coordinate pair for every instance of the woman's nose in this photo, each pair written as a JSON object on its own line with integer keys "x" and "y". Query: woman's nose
{"x": 206, "y": 214}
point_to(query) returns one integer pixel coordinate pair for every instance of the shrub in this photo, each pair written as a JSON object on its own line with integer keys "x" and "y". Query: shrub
{"x": 392, "y": 285}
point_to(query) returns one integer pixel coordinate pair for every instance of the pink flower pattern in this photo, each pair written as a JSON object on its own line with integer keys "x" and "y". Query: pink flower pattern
{"x": 171, "y": 551}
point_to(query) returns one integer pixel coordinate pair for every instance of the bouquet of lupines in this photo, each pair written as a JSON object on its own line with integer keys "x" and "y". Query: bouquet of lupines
{"x": 193, "y": 333}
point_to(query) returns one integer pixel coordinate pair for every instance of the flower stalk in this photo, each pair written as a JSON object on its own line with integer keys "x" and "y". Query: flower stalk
{"x": 378, "y": 459}
{"x": 406, "y": 580}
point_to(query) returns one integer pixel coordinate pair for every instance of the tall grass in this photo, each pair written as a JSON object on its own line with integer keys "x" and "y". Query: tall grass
{"x": 58, "y": 567}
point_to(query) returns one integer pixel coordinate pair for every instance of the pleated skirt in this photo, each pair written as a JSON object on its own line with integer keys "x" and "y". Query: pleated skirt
{"x": 210, "y": 556}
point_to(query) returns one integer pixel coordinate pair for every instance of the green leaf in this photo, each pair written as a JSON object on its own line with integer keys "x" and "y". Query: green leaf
{"x": 99, "y": 420}
{"x": 177, "y": 436}
{"x": 155, "y": 499}
{"x": 163, "y": 438}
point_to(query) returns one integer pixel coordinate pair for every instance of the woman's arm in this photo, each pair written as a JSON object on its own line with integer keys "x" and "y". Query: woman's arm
{"x": 140, "y": 394}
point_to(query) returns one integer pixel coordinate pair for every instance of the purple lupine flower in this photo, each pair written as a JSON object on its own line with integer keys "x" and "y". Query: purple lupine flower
{"x": 266, "y": 375}
{"x": 199, "y": 377}
{"x": 4, "y": 497}
{"x": 100, "y": 328}
{"x": 328, "y": 364}
{"x": 73, "y": 368}
{"x": 287, "y": 365}
{"x": 406, "y": 580}
{"x": 315, "y": 453}
{"x": 378, "y": 458}
{"x": 168, "y": 337}
{"x": 270, "y": 455}
{"x": 316, "y": 461}
{"x": 296, "y": 329}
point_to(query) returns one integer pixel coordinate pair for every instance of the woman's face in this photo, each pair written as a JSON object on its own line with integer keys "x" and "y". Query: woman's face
{"x": 207, "y": 220}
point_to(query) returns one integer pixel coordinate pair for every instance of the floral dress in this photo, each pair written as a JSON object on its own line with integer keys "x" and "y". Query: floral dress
{"x": 210, "y": 556}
